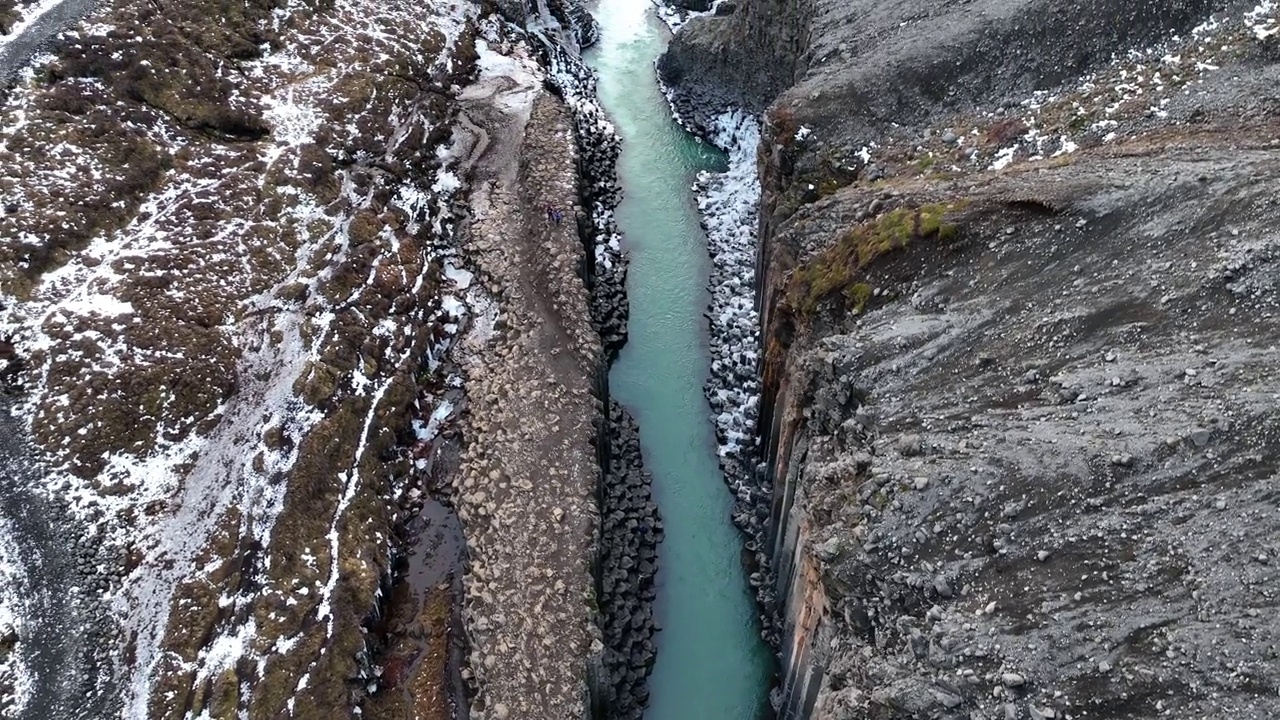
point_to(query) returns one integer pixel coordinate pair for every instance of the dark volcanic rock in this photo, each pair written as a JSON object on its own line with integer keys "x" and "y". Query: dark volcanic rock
{"x": 1018, "y": 293}
{"x": 853, "y": 68}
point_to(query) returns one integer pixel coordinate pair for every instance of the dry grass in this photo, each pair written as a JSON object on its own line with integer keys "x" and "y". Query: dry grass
{"x": 835, "y": 275}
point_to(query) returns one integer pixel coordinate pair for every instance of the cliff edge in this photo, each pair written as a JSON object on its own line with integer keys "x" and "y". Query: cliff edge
{"x": 1017, "y": 289}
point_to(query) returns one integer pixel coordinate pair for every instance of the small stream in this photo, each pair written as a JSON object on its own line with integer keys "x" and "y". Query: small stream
{"x": 711, "y": 662}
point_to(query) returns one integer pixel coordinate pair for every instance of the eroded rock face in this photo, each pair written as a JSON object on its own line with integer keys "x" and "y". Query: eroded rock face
{"x": 742, "y": 59}
{"x": 1064, "y": 476}
{"x": 854, "y": 68}
{"x": 1019, "y": 358}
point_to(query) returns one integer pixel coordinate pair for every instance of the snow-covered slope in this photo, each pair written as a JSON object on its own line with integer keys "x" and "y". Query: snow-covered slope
{"x": 216, "y": 276}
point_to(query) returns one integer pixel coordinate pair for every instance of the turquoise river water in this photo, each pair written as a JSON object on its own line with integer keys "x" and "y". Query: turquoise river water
{"x": 711, "y": 664}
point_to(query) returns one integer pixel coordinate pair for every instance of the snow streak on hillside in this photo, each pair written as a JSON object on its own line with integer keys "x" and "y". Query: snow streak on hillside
{"x": 181, "y": 361}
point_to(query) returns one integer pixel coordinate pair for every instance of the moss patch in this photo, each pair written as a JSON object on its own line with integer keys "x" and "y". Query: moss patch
{"x": 175, "y": 63}
{"x": 834, "y": 275}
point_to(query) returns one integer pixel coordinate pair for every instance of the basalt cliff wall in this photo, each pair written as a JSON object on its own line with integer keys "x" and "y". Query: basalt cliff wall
{"x": 1017, "y": 287}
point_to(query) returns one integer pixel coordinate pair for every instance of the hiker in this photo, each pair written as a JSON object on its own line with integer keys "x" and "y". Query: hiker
{"x": 557, "y": 215}
{"x": 551, "y": 213}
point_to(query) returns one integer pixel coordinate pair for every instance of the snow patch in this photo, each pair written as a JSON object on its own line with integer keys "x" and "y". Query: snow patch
{"x": 1004, "y": 158}
{"x": 27, "y": 16}
{"x": 292, "y": 123}
{"x": 728, "y": 203}
{"x": 13, "y": 608}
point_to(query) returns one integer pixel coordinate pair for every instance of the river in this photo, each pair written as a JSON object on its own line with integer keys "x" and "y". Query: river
{"x": 711, "y": 664}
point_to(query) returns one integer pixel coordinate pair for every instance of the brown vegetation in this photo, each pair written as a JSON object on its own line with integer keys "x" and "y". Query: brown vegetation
{"x": 836, "y": 273}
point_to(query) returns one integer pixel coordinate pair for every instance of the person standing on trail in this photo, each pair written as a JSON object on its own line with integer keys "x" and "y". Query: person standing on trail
{"x": 551, "y": 213}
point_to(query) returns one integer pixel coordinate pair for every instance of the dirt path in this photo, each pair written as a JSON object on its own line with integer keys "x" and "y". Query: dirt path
{"x": 60, "y": 630}
{"x": 16, "y": 50}
{"x": 529, "y": 475}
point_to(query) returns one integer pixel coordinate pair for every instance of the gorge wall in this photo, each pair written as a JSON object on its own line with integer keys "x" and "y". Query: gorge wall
{"x": 1017, "y": 286}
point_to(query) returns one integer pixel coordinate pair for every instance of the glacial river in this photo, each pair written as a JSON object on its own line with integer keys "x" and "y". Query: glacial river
{"x": 712, "y": 664}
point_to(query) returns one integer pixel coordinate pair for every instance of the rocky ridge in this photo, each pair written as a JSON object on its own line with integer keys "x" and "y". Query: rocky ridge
{"x": 585, "y": 513}
{"x": 631, "y": 525}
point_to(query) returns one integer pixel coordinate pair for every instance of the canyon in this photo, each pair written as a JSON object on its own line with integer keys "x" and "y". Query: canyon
{"x": 494, "y": 360}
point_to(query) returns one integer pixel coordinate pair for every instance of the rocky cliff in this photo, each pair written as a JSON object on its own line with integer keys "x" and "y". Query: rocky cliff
{"x": 1017, "y": 287}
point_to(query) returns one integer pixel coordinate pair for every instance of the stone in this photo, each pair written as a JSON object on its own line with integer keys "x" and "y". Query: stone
{"x": 828, "y": 550}
{"x": 1011, "y": 679}
{"x": 1199, "y": 437}
{"x": 948, "y": 700}
{"x": 943, "y": 587}
{"x": 910, "y": 445}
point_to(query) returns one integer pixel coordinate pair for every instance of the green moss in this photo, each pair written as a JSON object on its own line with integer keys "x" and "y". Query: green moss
{"x": 836, "y": 272}
{"x": 880, "y": 499}
{"x": 858, "y": 294}
{"x": 1080, "y": 122}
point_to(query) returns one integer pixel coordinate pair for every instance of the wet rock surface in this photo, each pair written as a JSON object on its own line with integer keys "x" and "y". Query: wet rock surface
{"x": 631, "y": 530}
